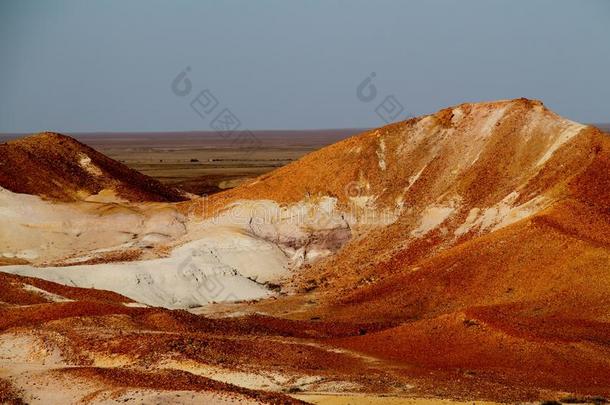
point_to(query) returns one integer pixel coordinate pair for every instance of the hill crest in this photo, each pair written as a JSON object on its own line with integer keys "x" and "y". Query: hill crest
{"x": 58, "y": 167}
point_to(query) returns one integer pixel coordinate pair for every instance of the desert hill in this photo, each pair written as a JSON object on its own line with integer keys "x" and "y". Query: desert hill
{"x": 479, "y": 151}
{"x": 496, "y": 251}
{"x": 462, "y": 254}
{"x": 58, "y": 167}
{"x": 434, "y": 182}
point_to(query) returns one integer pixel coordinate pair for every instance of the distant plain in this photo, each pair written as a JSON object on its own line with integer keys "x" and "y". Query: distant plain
{"x": 205, "y": 162}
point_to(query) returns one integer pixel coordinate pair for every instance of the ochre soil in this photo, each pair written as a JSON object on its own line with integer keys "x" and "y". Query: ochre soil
{"x": 518, "y": 313}
{"x": 170, "y": 380}
{"x": 48, "y": 165}
{"x": 504, "y": 352}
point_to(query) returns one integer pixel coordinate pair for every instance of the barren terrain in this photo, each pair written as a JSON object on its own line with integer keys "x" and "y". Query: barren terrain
{"x": 459, "y": 256}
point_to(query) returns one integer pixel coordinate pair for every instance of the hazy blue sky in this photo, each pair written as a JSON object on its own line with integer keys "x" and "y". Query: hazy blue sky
{"x": 108, "y": 65}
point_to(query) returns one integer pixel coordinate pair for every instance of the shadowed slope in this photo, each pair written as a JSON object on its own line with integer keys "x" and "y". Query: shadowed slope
{"x": 58, "y": 167}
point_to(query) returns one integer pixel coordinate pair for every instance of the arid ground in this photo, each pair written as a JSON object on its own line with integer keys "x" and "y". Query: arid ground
{"x": 455, "y": 257}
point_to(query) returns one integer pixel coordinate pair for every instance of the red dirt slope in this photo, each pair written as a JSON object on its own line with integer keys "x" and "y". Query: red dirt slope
{"x": 497, "y": 266}
{"x": 58, "y": 167}
{"x": 525, "y": 306}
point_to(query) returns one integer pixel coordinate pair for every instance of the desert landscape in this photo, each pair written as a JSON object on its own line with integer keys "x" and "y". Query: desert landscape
{"x": 455, "y": 257}
{"x": 206, "y": 162}
{"x": 321, "y": 202}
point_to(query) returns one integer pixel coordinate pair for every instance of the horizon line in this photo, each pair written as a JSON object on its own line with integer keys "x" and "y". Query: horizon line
{"x": 183, "y": 131}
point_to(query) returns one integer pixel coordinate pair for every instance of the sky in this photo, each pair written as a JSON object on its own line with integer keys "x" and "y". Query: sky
{"x": 113, "y": 65}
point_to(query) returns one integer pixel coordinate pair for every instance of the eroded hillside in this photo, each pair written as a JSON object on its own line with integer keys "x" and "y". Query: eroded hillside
{"x": 462, "y": 254}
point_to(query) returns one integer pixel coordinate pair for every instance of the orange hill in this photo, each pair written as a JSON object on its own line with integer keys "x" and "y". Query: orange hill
{"x": 496, "y": 266}
{"x": 58, "y": 167}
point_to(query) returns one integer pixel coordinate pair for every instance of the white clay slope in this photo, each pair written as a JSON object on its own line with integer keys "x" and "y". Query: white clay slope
{"x": 230, "y": 257}
{"x": 195, "y": 274}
